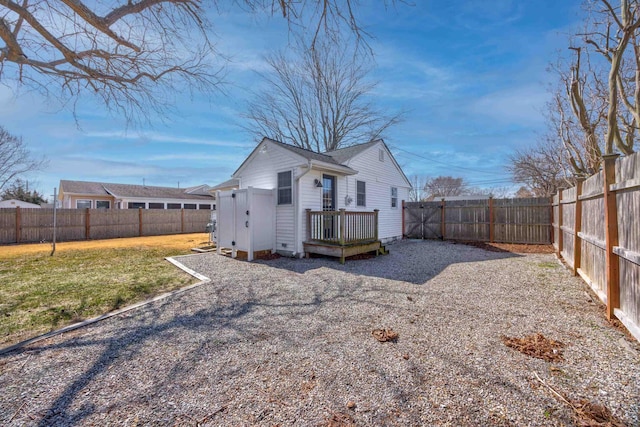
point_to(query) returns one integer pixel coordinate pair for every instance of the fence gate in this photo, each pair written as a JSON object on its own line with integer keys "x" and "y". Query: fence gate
{"x": 423, "y": 220}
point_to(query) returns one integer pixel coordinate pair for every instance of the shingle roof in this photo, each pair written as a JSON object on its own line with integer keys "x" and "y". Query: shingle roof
{"x": 127, "y": 190}
{"x": 307, "y": 154}
{"x": 342, "y": 155}
{"x": 233, "y": 182}
{"x": 337, "y": 157}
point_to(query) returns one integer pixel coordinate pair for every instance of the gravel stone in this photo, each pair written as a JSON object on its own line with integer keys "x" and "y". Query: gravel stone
{"x": 289, "y": 342}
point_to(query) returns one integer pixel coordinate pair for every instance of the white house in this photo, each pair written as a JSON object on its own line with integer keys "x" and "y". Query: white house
{"x": 101, "y": 195}
{"x": 13, "y": 203}
{"x": 359, "y": 178}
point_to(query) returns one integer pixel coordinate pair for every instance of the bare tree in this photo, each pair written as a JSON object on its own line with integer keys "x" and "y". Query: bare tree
{"x": 134, "y": 56}
{"x": 318, "y": 99}
{"x": 417, "y": 192}
{"x": 15, "y": 158}
{"x": 620, "y": 27}
{"x": 443, "y": 186}
{"x": 542, "y": 168}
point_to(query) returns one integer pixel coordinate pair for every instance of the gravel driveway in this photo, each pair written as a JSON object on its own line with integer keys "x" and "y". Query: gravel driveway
{"x": 288, "y": 342}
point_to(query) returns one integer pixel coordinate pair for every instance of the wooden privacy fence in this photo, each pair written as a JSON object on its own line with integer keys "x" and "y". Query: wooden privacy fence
{"x": 21, "y": 225}
{"x": 597, "y": 233}
{"x": 522, "y": 220}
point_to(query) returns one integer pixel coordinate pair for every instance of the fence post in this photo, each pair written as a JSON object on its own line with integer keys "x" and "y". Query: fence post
{"x": 611, "y": 239}
{"x": 342, "y": 226}
{"x": 140, "y": 222}
{"x": 182, "y": 221}
{"x": 18, "y": 218}
{"x": 560, "y": 236}
{"x": 443, "y": 225}
{"x": 308, "y": 210}
{"x": 577, "y": 242}
{"x": 491, "y": 221}
{"x": 87, "y": 224}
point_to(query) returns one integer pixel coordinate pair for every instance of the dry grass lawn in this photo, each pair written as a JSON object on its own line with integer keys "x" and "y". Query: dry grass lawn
{"x": 40, "y": 292}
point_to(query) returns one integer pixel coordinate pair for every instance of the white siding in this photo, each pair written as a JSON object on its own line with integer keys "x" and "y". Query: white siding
{"x": 379, "y": 176}
{"x": 261, "y": 171}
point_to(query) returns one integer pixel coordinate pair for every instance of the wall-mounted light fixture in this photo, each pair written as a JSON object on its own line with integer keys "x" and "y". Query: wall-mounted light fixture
{"x": 347, "y": 200}
{"x": 317, "y": 183}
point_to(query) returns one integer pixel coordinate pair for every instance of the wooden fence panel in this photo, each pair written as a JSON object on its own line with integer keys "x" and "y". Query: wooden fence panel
{"x": 158, "y": 222}
{"x": 593, "y": 234}
{"x": 467, "y": 220}
{"x": 196, "y": 221}
{"x": 522, "y": 220}
{"x": 518, "y": 220}
{"x": 7, "y": 225}
{"x": 568, "y": 221}
{"x": 555, "y": 223}
{"x": 36, "y": 225}
{"x": 114, "y": 223}
{"x": 628, "y": 250}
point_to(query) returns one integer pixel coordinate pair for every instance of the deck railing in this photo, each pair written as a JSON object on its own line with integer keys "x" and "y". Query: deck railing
{"x": 342, "y": 227}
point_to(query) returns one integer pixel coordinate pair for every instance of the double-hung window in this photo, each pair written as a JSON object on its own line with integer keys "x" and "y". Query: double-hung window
{"x": 285, "y": 188}
{"x": 394, "y": 197}
{"x": 361, "y": 193}
{"x": 83, "y": 204}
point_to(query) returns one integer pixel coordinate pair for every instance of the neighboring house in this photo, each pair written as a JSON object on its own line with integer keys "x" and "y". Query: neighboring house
{"x": 362, "y": 177}
{"x": 13, "y": 203}
{"x": 231, "y": 184}
{"x": 101, "y": 195}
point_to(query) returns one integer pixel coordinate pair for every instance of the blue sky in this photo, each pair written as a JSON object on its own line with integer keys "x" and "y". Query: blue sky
{"x": 471, "y": 76}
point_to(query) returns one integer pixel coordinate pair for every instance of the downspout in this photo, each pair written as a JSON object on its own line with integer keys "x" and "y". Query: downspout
{"x": 296, "y": 210}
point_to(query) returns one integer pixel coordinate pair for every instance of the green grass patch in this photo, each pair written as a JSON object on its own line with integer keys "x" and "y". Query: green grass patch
{"x": 39, "y": 293}
{"x": 548, "y": 264}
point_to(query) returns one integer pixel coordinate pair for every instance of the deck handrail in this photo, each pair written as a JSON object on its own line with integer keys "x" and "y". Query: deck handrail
{"x": 342, "y": 227}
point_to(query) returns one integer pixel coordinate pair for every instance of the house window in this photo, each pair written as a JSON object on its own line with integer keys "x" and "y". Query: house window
{"x": 103, "y": 204}
{"x": 83, "y": 204}
{"x": 394, "y": 197}
{"x": 174, "y": 205}
{"x": 156, "y": 205}
{"x": 136, "y": 205}
{"x": 201, "y": 206}
{"x": 381, "y": 155}
{"x": 284, "y": 188}
{"x": 361, "y": 193}
{"x": 189, "y": 205}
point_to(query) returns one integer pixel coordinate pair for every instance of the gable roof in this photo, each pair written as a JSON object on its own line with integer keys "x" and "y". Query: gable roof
{"x": 345, "y": 154}
{"x": 128, "y": 190}
{"x": 336, "y": 157}
{"x": 230, "y": 183}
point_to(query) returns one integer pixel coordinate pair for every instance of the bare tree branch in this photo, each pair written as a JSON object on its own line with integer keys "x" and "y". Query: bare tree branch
{"x": 15, "y": 158}
{"x": 318, "y": 100}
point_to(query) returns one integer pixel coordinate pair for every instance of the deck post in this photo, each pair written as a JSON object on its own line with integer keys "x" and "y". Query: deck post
{"x": 375, "y": 225}
{"x": 577, "y": 242}
{"x": 308, "y": 210}
{"x": 342, "y": 227}
{"x": 611, "y": 239}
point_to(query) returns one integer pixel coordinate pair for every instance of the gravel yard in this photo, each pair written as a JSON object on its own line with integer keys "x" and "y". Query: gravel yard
{"x": 289, "y": 342}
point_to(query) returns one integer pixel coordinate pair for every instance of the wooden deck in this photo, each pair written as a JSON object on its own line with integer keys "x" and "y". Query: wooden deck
{"x": 342, "y": 234}
{"x": 343, "y": 251}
